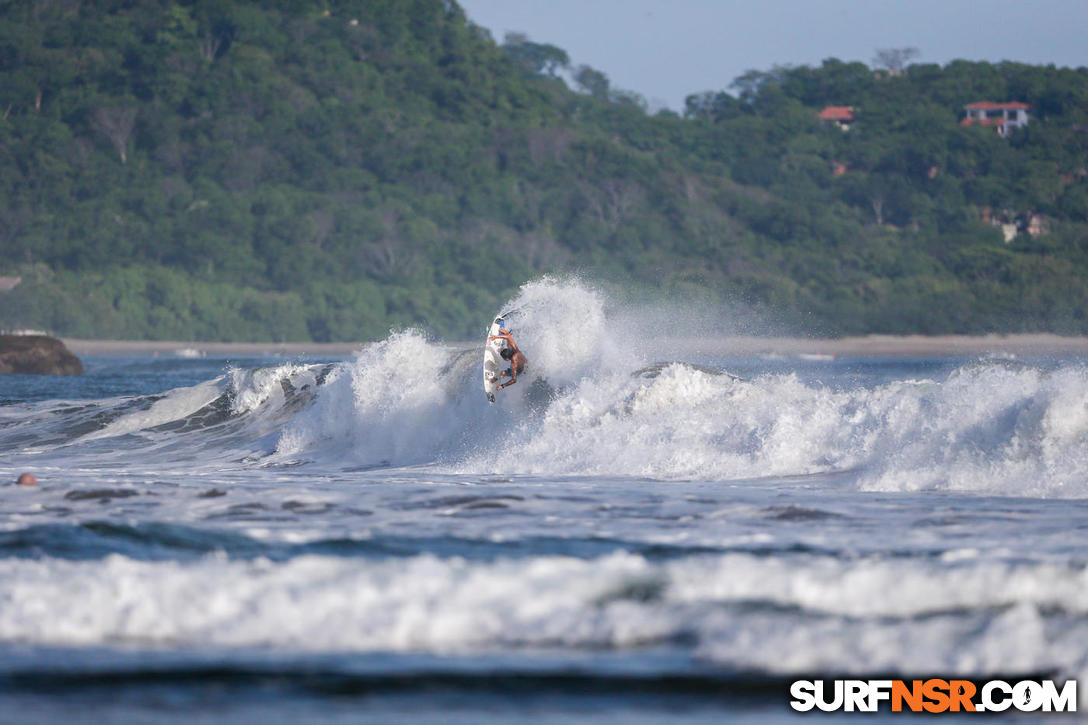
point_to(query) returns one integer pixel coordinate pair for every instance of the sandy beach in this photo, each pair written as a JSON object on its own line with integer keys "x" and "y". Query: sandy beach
{"x": 867, "y": 346}
{"x": 194, "y": 349}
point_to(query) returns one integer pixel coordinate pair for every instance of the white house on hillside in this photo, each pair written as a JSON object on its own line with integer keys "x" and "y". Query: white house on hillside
{"x": 1004, "y": 117}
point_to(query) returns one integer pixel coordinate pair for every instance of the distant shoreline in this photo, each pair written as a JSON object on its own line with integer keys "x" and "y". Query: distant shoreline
{"x": 867, "y": 346}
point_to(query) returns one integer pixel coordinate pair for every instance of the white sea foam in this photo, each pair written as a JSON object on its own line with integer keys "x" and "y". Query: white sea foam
{"x": 990, "y": 430}
{"x": 396, "y": 402}
{"x": 407, "y": 400}
{"x": 563, "y": 329}
{"x": 787, "y": 614}
{"x": 993, "y": 427}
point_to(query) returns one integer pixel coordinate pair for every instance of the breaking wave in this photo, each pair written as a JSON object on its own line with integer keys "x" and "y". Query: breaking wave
{"x": 607, "y": 393}
{"x": 786, "y": 614}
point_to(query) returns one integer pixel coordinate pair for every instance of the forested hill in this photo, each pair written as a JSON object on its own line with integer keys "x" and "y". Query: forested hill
{"x": 294, "y": 170}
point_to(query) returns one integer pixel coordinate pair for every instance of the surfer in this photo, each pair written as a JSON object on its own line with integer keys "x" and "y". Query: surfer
{"x": 517, "y": 361}
{"x": 500, "y": 351}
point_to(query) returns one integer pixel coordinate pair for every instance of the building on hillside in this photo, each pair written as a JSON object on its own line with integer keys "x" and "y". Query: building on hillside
{"x": 1004, "y": 117}
{"x": 841, "y": 116}
{"x": 1034, "y": 225}
{"x": 1013, "y": 223}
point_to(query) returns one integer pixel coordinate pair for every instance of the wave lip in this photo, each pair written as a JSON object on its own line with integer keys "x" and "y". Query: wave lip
{"x": 223, "y": 418}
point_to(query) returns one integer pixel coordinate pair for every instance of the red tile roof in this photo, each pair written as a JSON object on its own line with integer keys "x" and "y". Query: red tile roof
{"x": 989, "y": 106}
{"x": 837, "y": 113}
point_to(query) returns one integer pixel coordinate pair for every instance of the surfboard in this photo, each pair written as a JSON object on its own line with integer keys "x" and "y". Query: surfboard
{"x": 493, "y": 362}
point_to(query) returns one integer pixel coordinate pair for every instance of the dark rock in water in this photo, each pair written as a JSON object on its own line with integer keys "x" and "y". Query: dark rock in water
{"x": 37, "y": 355}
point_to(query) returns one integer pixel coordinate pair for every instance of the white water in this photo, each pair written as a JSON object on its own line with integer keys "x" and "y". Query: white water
{"x": 992, "y": 427}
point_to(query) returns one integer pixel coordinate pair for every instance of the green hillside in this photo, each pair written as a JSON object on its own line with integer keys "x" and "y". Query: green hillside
{"x": 230, "y": 170}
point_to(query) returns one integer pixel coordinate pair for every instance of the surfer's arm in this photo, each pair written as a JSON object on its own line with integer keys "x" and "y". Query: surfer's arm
{"x": 513, "y": 371}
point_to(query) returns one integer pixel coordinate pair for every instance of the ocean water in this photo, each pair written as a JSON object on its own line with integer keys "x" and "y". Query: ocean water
{"x": 636, "y": 532}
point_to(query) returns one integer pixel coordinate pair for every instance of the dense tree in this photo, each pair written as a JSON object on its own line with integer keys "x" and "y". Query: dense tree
{"x": 592, "y": 81}
{"x": 894, "y": 59}
{"x": 327, "y": 170}
{"x": 535, "y": 57}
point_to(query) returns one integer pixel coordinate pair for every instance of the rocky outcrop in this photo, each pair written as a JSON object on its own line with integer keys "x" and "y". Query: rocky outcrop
{"x": 37, "y": 355}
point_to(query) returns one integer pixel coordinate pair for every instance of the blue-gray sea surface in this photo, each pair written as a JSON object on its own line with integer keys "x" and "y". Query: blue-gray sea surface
{"x": 627, "y": 535}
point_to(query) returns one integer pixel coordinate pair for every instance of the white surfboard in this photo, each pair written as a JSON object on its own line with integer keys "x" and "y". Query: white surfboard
{"x": 493, "y": 362}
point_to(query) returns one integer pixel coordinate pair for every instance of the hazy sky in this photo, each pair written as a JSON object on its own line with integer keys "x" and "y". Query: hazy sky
{"x": 667, "y": 49}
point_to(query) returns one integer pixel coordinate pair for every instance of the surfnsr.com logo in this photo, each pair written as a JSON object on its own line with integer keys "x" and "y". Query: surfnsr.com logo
{"x": 933, "y": 695}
